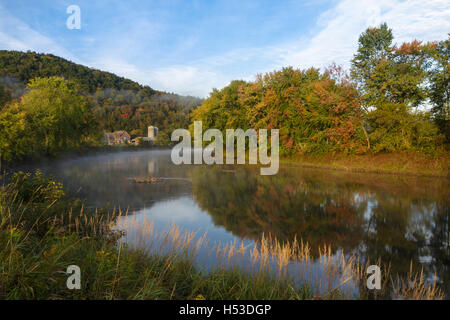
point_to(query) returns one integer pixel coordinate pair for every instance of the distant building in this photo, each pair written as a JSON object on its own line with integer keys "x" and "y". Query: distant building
{"x": 117, "y": 137}
{"x": 152, "y": 134}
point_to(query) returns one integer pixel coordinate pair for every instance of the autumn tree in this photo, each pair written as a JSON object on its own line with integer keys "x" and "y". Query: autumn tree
{"x": 315, "y": 112}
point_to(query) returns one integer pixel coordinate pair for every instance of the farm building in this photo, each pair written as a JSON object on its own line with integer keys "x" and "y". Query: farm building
{"x": 116, "y": 137}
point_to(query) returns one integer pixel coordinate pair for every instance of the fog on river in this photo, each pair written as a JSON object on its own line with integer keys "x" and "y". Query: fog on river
{"x": 400, "y": 219}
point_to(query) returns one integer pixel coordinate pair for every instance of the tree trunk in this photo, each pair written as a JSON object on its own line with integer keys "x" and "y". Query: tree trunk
{"x": 46, "y": 144}
{"x": 367, "y": 136}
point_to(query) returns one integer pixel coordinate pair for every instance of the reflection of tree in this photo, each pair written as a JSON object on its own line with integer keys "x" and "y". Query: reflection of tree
{"x": 411, "y": 227}
{"x": 440, "y": 243}
{"x": 390, "y": 237}
{"x": 397, "y": 219}
{"x": 285, "y": 206}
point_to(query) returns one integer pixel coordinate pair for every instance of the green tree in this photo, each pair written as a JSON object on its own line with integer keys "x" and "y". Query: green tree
{"x": 12, "y": 133}
{"x": 391, "y": 81}
{"x": 5, "y": 96}
{"x": 58, "y": 116}
{"x": 439, "y": 93}
{"x": 374, "y": 52}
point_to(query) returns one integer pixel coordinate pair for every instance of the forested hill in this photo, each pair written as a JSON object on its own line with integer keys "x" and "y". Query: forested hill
{"x": 119, "y": 103}
{"x": 25, "y": 66}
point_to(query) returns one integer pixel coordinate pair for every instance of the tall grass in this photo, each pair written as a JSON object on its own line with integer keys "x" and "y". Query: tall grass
{"x": 42, "y": 232}
{"x": 290, "y": 264}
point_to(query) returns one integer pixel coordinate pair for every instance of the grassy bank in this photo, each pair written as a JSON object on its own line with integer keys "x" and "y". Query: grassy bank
{"x": 42, "y": 232}
{"x": 396, "y": 163}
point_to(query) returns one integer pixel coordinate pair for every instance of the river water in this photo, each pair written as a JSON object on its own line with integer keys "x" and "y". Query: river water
{"x": 398, "y": 219}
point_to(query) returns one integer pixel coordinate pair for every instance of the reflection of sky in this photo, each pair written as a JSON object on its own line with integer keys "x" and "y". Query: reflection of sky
{"x": 185, "y": 213}
{"x": 106, "y": 178}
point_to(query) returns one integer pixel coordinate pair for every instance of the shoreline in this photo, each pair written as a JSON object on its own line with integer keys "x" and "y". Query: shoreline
{"x": 76, "y": 153}
{"x": 404, "y": 164}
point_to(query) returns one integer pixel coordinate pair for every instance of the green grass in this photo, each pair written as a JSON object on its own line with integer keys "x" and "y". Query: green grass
{"x": 409, "y": 163}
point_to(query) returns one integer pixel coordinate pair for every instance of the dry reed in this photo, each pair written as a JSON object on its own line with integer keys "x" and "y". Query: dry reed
{"x": 328, "y": 275}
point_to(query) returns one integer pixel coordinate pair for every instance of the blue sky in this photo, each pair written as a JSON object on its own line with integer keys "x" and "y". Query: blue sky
{"x": 189, "y": 47}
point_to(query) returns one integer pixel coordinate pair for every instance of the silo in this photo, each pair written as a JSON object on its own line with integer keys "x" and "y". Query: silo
{"x": 152, "y": 132}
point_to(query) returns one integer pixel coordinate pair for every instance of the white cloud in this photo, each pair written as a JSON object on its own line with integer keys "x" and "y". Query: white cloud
{"x": 333, "y": 39}
{"x": 185, "y": 80}
{"x": 188, "y": 80}
{"x": 340, "y": 27}
{"x": 17, "y": 35}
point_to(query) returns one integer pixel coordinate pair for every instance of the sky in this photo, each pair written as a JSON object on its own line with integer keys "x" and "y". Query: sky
{"x": 190, "y": 47}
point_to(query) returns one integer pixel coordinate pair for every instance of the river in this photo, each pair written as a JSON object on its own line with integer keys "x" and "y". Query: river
{"x": 398, "y": 219}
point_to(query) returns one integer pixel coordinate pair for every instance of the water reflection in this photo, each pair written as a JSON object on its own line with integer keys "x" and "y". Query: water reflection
{"x": 399, "y": 219}
{"x": 106, "y": 179}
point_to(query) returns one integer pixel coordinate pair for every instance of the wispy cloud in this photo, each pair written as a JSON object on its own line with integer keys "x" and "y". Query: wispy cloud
{"x": 181, "y": 79}
{"x": 147, "y": 47}
{"x": 339, "y": 28}
{"x": 17, "y": 35}
{"x": 332, "y": 40}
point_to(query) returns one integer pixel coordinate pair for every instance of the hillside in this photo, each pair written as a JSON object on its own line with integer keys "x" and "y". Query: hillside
{"x": 119, "y": 103}
{"x": 25, "y": 66}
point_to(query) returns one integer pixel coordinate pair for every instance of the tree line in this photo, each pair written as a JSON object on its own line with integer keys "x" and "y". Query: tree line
{"x": 49, "y": 105}
{"x": 395, "y": 98}
{"x": 51, "y": 117}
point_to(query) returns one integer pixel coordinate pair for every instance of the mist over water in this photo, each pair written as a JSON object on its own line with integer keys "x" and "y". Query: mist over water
{"x": 399, "y": 219}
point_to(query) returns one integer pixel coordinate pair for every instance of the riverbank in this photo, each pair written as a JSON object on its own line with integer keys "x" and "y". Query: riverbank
{"x": 42, "y": 232}
{"x": 411, "y": 163}
{"x": 75, "y": 153}
{"x": 415, "y": 164}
